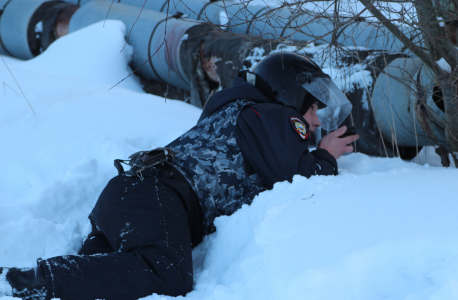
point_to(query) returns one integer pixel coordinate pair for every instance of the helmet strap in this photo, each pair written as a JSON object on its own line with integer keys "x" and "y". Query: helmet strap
{"x": 259, "y": 83}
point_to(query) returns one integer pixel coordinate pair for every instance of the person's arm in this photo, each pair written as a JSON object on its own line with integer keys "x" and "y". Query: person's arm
{"x": 275, "y": 148}
{"x": 335, "y": 145}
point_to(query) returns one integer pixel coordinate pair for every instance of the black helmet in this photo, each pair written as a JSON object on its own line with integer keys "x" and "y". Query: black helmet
{"x": 299, "y": 82}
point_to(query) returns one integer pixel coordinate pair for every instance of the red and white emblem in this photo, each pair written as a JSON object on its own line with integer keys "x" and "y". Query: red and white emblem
{"x": 300, "y": 128}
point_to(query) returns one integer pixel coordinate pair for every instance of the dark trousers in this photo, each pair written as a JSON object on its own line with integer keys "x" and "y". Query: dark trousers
{"x": 141, "y": 242}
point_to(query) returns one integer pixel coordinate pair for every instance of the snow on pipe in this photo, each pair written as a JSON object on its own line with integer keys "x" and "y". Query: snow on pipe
{"x": 150, "y": 38}
{"x": 259, "y": 20}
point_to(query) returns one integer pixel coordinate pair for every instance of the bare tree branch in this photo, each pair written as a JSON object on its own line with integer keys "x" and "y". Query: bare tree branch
{"x": 434, "y": 33}
{"x": 30, "y": 105}
{"x": 398, "y": 34}
{"x": 429, "y": 26}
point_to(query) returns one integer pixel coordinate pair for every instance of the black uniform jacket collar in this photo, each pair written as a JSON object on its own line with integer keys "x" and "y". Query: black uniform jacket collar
{"x": 240, "y": 89}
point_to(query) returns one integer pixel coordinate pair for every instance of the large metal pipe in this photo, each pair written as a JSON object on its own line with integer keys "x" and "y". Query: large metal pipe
{"x": 155, "y": 37}
{"x": 27, "y": 27}
{"x": 16, "y": 32}
{"x": 193, "y": 9}
{"x": 2, "y": 7}
{"x": 403, "y": 92}
{"x": 293, "y": 23}
{"x": 305, "y": 25}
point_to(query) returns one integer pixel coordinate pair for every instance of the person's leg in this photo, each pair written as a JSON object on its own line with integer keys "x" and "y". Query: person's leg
{"x": 26, "y": 283}
{"x": 146, "y": 225}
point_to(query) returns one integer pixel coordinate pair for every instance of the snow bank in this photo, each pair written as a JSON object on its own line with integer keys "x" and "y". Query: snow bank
{"x": 382, "y": 229}
{"x": 56, "y": 164}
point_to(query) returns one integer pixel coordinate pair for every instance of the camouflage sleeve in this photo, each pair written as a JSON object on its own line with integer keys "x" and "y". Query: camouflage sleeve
{"x": 274, "y": 142}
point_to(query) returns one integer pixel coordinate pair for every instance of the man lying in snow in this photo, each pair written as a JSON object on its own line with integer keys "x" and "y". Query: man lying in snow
{"x": 147, "y": 220}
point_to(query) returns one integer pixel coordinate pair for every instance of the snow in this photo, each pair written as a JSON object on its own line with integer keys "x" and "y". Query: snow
{"x": 375, "y": 231}
{"x": 347, "y": 77}
{"x": 382, "y": 229}
{"x": 444, "y": 65}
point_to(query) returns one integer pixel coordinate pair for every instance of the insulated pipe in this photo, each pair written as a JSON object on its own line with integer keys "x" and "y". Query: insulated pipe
{"x": 28, "y": 27}
{"x": 248, "y": 20}
{"x": 270, "y": 23}
{"x": 403, "y": 93}
{"x": 156, "y": 5}
{"x": 193, "y": 9}
{"x": 304, "y": 26}
{"x": 355, "y": 33}
{"x": 14, "y": 30}
{"x": 153, "y": 36}
{"x": 82, "y": 2}
{"x": 231, "y": 14}
{"x": 2, "y": 7}
{"x": 2, "y": 4}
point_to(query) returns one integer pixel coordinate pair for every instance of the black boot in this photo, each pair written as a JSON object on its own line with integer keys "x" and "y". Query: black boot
{"x": 28, "y": 284}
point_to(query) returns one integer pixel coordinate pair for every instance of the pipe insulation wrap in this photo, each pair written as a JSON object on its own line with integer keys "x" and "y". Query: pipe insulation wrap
{"x": 14, "y": 30}
{"x": 152, "y": 35}
{"x": 395, "y": 102}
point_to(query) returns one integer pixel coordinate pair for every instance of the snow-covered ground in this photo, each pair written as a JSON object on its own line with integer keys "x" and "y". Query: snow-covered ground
{"x": 382, "y": 229}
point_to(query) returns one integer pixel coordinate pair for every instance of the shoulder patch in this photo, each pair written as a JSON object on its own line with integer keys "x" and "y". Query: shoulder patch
{"x": 300, "y": 128}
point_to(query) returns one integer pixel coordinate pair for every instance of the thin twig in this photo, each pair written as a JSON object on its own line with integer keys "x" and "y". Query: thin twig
{"x": 308, "y": 197}
{"x": 131, "y": 28}
{"x": 18, "y": 85}
{"x": 7, "y": 85}
{"x": 108, "y": 13}
{"x": 418, "y": 51}
{"x": 138, "y": 67}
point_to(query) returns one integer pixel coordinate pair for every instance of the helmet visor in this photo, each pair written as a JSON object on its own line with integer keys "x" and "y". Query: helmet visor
{"x": 337, "y": 105}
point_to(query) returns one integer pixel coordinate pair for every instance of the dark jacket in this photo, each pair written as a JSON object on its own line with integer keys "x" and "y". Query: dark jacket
{"x": 243, "y": 143}
{"x": 265, "y": 134}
